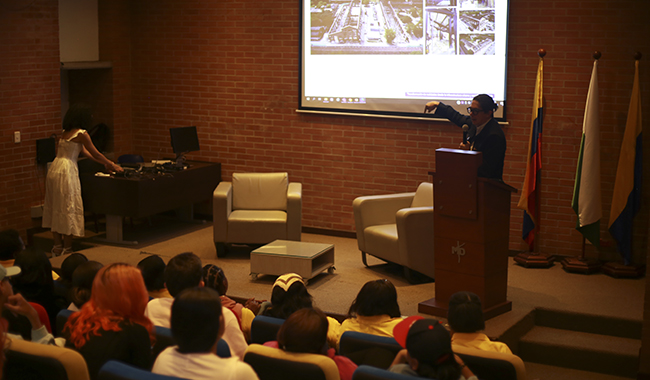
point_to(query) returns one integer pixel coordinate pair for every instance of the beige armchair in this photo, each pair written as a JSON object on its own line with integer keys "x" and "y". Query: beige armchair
{"x": 256, "y": 208}
{"x": 397, "y": 228}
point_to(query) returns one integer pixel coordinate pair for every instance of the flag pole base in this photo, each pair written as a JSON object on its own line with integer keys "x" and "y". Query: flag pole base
{"x": 580, "y": 265}
{"x": 619, "y": 270}
{"x": 534, "y": 260}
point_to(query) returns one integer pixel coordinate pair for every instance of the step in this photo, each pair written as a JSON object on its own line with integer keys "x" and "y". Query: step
{"x": 581, "y": 350}
{"x": 596, "y": 324}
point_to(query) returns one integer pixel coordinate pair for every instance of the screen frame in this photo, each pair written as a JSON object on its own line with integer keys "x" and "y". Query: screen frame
{"x": 184, "y": 140}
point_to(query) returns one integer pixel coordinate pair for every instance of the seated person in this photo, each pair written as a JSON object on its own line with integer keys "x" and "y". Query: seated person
{"x": 197, "y": 324}
{"x": 288, "y": 295}
{"x": 112, "y": 325}
{"x": 82, "y": 284}
{"x": 306, "y": 331}
{"x": 214, "y": 278}
{"x": 427, "y": 351}
{"x": 374, "y": 311}
{"x": 63, "y": 284}
{"x": 153, "y": 272}
{"x": 465, "y": 318}
{"x": 184, "y": 271}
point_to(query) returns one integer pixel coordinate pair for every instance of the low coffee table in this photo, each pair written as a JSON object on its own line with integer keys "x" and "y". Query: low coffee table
{"x": 286, "y": 256}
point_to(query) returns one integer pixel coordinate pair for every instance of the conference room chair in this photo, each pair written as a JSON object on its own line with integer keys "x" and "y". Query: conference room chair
{"x": 397, "y": 228}
{"x": 256, "y": 208}
{"x": 115, "y": 370}
{"x": 366, "y": 372}
{"x": 265, "y": 329}
{"x": 27, "y": 360}
{"x": 164, "y": 339}
{"x": 354, "y": 345}
{"x": 490, "y": 365}
{"x": 276, "y": 364}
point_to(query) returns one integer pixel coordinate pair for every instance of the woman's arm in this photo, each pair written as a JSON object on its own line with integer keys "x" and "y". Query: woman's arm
{"x": 88, "y": 149}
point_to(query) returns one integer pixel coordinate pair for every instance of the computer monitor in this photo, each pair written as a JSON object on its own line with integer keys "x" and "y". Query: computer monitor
{"x": 184, "y": 140}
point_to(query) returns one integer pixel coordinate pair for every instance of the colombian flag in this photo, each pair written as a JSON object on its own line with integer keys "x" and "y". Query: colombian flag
{"x": 627, "y": 188}
{"x": 528, "y": 200}
{"x": 586, "y": 191}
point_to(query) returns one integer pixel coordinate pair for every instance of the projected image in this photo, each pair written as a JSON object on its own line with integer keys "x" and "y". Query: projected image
{"x": 476, "y": 44}
{"x": 441, "y": 3}
{"x": 476, "y": 21}
{"x": 474, "y": 4}
{"x": 441, "y": 31}
{"x": 366, "y": 27}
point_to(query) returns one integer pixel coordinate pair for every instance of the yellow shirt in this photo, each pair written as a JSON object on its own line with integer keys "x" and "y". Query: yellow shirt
{"x": 479, "y": 341}
{"x": 382, "y": 325}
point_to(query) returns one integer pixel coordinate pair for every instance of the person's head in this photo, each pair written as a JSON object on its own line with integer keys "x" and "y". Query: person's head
{"x": 69, "y": 265}
{"x": 304, "y": 331}
{"x": 36, "y": 273}
{"x": 428, "y": 345}
{"x": 79, "y": 116}
{"x": 465, "y": 313}
{"x": 377, "y": 297}
{"x": 183, "y": 271}
{"x": 197, "y": 322}
{"x": 6, "y": 289}
{"x": 288, "y": 295}
{"x": 82, "y": 282}
{"x": 214, "y": 278}
{"x": 10, "y": 244}
{"x": 482, "y": 109}
{"x": 153, "y": 270}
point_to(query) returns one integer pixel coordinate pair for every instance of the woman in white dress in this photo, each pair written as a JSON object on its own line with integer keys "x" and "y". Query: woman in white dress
{"x": 63, "y": 210}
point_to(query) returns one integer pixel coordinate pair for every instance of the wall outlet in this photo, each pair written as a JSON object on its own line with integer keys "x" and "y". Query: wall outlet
{"x": 17, "y": 137}
{"x": 36, "y": 211}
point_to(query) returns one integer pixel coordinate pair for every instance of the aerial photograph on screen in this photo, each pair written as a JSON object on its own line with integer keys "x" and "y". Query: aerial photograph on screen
{"x": 366, "y": 27}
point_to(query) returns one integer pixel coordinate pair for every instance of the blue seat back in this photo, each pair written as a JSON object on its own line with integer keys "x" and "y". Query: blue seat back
{"x": 265, "y": 329}
{"x": 366, "y": 372}
{"x": 364, "y": 348}
{"x": 115, "y": 370}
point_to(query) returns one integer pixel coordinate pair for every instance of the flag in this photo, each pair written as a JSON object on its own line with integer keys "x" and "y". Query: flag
{"x": 627, "y": 188}
{"x": 586, "y": 191}
{"x": 528, "y": 200}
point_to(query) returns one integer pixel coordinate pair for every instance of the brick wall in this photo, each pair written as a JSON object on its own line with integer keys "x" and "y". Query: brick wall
{"x": 231, "y": 68}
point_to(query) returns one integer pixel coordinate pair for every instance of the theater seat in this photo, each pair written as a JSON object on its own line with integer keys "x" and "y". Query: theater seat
{"x": 27, "y": 360}
{"x": 115, "y": 370}
{"x": 275, "y": 364}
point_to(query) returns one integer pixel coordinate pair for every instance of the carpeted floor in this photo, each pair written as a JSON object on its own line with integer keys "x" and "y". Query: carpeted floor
{"x": 551, "y": 288}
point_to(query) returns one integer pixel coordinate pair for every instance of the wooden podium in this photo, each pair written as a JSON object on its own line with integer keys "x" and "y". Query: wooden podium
{"x": 471, "y": 227}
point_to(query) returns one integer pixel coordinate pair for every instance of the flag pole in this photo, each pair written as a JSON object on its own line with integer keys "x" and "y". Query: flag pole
{"x": 532, "y": 258}
{"x": 627, "y": 269}
{"x": 582, "y": 264}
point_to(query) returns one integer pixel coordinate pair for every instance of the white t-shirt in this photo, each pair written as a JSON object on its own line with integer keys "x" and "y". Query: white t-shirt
{"x": 170, "y": 362}
{"x": 159, "y": 311}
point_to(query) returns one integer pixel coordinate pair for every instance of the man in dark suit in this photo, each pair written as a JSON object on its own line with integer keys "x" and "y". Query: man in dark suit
{"x": 483, "y": 135}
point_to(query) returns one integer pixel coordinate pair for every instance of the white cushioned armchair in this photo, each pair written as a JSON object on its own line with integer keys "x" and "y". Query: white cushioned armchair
{"x": 256, "y": 208}
{"x": 397, "y": 228}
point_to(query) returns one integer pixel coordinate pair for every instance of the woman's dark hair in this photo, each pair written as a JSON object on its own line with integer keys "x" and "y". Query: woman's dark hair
{"x": 465, "y": 313}
{"x": 69, "y": 265}
{"x": 486, "y": 102}
{"x": 10, "y": 244}
{"x": 304, "y": 331}
{"x": 82, "y": 282}
{"x": 377, "y": 297}
{"x": 213, "y": 277}
{"x": 79, "y": 116}
{"x": 153, "y": 270}
{"x": 195, "y": 320}
{"x": 283, "y": 304}
{"x": 449, "y": 369}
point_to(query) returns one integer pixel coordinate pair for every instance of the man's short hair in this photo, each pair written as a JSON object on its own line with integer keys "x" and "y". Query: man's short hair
{"x": 465, "y": 314}
{"x": 183, "y": 271}
{"x": 195, "y": 320}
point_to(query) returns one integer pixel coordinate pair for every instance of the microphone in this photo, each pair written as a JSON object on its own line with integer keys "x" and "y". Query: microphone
{"x": 465, "y": 129}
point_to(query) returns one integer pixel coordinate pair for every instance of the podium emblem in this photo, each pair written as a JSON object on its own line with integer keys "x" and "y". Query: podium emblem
{"x": 458, "y": 250}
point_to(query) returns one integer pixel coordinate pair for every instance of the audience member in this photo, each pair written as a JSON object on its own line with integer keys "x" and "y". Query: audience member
{"x": 112, "y": 325}
{"x": 35, "y": 282}
{"x": 11, "y": 244}
{"x": 63, "y": 284}
{"x": 288, "y": 295}
{"x": 215, "y": 278}
{"x": 465, "y": 318}
{"x": 375, "y": 310}
{"x": 306, "y": 331}
{"x": 153, "y": 272}
{"x": 197, "y": 324}
{"x": 427, "y": 351}
{"x": 184, "y": 271}
{"x": 82, "y": 284}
